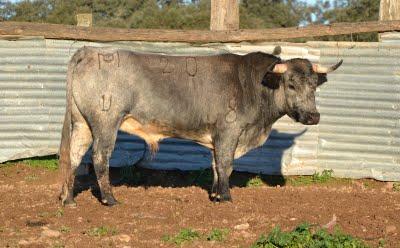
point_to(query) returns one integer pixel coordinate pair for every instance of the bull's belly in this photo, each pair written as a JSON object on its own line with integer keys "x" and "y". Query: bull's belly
{"x": 153, "y": 133}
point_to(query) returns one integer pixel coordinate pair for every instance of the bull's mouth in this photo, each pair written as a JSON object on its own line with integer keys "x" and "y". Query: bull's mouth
{"x": 305, "y": 118}
{"x": 295, "y": 116}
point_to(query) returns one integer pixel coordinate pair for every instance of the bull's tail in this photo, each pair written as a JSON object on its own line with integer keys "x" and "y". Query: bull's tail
{"x": 64, "y": 159}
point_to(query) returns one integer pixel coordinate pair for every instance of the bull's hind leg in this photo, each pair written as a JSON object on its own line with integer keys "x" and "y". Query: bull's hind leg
{"x": 81, "y": 139}
{"x": 104, "y": 137}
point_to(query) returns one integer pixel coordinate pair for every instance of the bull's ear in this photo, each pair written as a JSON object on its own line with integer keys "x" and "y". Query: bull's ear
{"x": 274, "y": 75}
{"x": 272, "y": 80}
{"x": 321, "y": 78}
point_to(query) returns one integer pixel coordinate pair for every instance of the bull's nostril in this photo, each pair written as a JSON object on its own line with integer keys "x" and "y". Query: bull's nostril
{"x": 315, "y": 118}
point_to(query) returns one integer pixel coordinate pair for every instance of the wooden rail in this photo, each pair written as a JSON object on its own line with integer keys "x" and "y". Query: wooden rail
{"x": 57, "y": 31}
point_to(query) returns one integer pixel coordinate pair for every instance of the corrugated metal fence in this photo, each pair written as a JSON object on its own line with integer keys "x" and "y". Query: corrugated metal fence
{"x": 359, "y": 133}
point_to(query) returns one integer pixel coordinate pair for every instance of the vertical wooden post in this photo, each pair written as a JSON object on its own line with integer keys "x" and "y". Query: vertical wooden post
{"x": 224, "y": 15}
{"x": 389, "y": 11}
{"x": 84, "y": 20}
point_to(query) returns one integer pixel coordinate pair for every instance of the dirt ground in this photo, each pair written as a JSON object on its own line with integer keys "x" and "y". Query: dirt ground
{"x": 156, "y": 204}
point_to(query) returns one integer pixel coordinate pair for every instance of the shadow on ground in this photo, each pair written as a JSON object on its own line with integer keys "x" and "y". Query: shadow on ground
{"x": 132, "y": 176}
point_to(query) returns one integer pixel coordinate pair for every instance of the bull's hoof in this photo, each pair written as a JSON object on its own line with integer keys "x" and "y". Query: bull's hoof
{"x": 109, "y": 201}
{"x": 69, "y": 203}
{"x": 66, "y": 199}
{"x": 221, "y": 197}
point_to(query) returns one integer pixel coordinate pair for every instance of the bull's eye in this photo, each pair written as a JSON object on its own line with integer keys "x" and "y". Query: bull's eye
{"x": 291, "y": 86}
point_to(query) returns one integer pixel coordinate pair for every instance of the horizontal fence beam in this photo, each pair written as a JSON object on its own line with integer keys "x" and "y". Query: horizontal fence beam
{"x": 14, "y": 30}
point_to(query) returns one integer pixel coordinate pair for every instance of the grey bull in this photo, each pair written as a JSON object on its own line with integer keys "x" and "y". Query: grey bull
{"x": 226, "y": 102}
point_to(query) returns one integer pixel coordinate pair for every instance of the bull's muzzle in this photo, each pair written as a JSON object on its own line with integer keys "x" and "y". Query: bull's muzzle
{"x": 311, "y": 119}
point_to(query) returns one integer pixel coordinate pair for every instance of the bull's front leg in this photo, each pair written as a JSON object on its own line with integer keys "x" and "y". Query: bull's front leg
{"x": 214, "y": 187}
{"x": 224, "y": 149}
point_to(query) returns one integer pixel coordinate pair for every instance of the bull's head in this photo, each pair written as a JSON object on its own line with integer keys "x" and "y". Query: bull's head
{"x": 299, "y": 79}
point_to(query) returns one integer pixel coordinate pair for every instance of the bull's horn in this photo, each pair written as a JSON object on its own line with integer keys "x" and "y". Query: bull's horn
{"x": 321, "y": 69}
{"x": 280, "y": 68}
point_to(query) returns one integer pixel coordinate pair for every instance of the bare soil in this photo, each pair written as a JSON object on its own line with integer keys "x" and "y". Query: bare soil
{"x": 159, "y": 203}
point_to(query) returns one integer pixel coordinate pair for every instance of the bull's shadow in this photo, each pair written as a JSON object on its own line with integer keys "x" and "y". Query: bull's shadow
{"x": 177, "y": 154}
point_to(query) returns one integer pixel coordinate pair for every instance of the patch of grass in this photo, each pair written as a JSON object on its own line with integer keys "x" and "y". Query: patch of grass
{"x": 6, "y": 164}
{"x": 102, "y": 231}
{"x": 43, "y": 214}
{"x": 367, "y": 184}
{"x": 324, "y": 177}
{"x": 185, "y": 235}
{"x": 58, "y": 245}
{"x": 255, "y": 182}
{"x": 381, "y": 243}
{"x": 47, "y": 162}
{"x": 317, "y": 178}
{"x": 396, "y": 187}
{"x": 59, "y": 213}
{"x": 65, "y": 229}
{"x": 31, "y": 178}
{"x": 304, "y": 236}
{"x": 218, "y": 234}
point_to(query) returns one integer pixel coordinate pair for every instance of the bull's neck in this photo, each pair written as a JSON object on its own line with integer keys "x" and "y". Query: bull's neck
{"x": 273, "y": 105}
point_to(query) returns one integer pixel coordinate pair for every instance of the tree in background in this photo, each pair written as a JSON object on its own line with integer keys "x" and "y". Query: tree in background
{"x": 193, "y": 14}
{"x": 271, "y": 13}
{"x": 346, "y": 11}
{"x": 181, "y": 14}
{"x": 113, "y": 13}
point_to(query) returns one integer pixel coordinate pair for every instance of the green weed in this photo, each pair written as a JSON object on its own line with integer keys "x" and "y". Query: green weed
{"x": 102, "y": 231}
{"x": 324, "y": 177}
{"x": 218, "y": 234}
{"x": 317, "y": 178}
{"x": 185, "y": 235}
{"x": 65, "y": 229}
{"x": 367, "y": 185}
{"x": 381, "y": 243}
{"x": 255, "y": 182}
{"x": 59, "y": 213}
{"x": 396, "y": 187}
{"x": 304, "y": 236}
